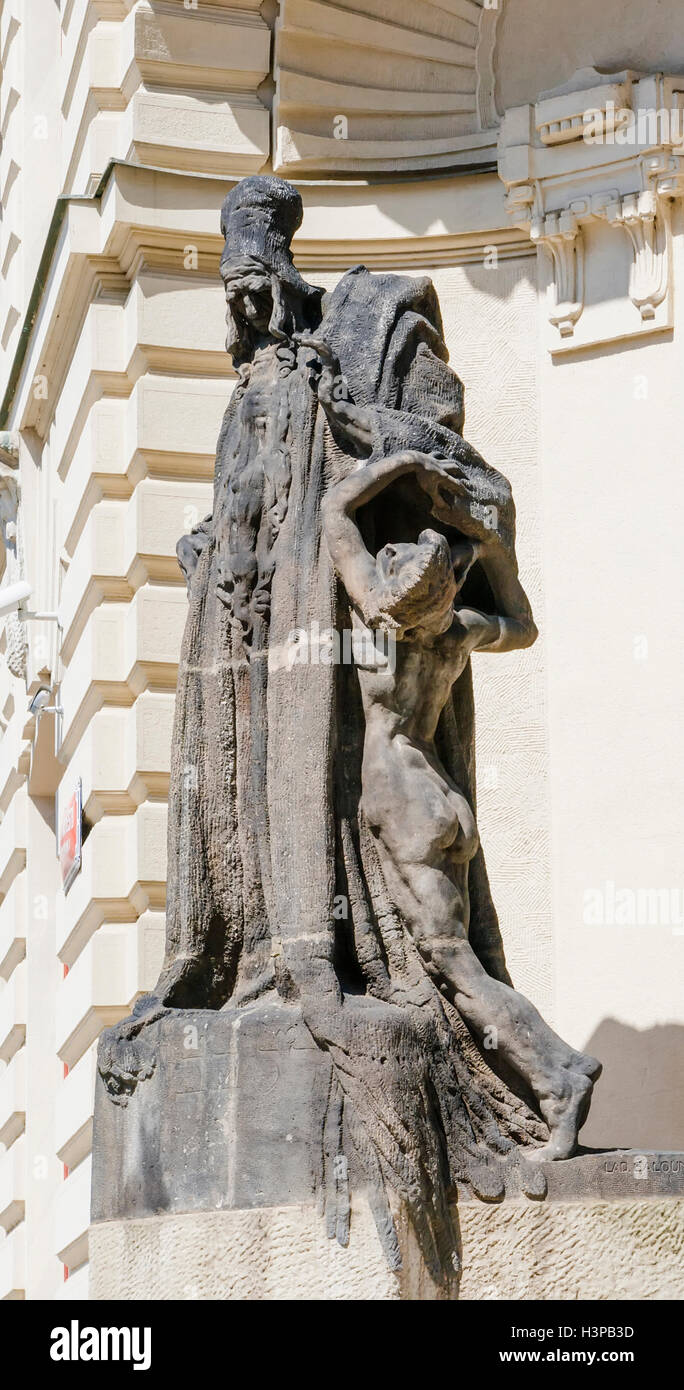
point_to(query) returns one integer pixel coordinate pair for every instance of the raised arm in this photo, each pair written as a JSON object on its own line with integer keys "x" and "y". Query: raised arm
{"x": 511, "y": 626}
{"x": 353, "y": 562}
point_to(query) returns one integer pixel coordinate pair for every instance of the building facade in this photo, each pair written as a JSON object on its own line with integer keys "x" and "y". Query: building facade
{"x": 530, "y": 160}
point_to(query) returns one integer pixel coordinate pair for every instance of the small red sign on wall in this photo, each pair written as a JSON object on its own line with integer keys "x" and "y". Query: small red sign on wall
{"x": 70, "y": 839}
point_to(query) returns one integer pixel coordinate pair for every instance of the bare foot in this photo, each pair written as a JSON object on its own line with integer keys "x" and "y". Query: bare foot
{"x": 565, "y": 1111}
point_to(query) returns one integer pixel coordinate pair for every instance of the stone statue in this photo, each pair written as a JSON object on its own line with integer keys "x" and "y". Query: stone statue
{"x": 421, "y": 821}
{"x": 323, "y": 849}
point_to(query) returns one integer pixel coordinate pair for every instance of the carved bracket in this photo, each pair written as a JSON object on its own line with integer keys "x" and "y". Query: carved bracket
{"x": 647, "y": 225}
{"x": 561, "y": 235}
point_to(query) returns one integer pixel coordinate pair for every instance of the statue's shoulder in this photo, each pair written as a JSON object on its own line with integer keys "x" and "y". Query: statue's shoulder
{"x": 383, "y": 295}
{"x": 377, "y": 324}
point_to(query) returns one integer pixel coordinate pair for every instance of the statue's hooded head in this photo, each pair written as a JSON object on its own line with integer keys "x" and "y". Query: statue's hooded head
{"x": 265, "y": 294}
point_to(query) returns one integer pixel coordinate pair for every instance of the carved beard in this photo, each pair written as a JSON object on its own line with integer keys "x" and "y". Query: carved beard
{"x": 255, "y": 489}
{"x": 255, "y": 508}
{"x": 286, "y": 320}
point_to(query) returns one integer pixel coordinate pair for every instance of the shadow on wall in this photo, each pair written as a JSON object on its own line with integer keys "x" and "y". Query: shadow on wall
{"x": 639, "y": 1100}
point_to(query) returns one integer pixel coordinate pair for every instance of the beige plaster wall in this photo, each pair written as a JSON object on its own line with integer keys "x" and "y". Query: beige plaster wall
{"x": 612, "y": 499}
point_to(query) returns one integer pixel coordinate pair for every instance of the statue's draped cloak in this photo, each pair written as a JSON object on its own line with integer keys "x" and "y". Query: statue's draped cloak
{"x": 265, "y": 832}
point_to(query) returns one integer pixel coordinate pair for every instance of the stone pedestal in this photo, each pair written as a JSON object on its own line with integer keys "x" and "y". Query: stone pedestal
{"x": 205, "y": 1185}
{"x": 206, "y": 1182}
{"x": 226, "y": 1121}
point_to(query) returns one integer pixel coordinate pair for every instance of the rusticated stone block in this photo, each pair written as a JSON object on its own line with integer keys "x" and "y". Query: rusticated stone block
{"x": 229, "y": 1118}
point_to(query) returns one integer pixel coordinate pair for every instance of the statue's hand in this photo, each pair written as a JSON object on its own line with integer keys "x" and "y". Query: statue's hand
{"x": 352, "y": 424}
{"x": 432, "y": 471}
{"x": 190, "y": 547}
{"x": 326, "y": 374}
{"x": 123, "y": 1057}
{"x": 454, "y": 502}
{"x": 443, "y": 481}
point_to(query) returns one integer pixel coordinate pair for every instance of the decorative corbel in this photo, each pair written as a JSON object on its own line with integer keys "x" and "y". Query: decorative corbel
{"x": 519, "y": 203}
{"x": 666, "y": 173}
{"x": 561, "y": 235}
{"x": 645, "y": 219}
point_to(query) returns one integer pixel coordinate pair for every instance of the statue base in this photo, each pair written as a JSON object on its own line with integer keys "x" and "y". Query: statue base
{"x": 205, "y": 1185}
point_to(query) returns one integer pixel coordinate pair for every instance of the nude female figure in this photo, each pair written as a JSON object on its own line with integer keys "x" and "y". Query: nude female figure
{"x": 423, "y": 824}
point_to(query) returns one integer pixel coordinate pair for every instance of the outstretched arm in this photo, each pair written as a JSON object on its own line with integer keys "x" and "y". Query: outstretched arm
{"x": 353, "y": 562}
{"x": 512, "y": 625}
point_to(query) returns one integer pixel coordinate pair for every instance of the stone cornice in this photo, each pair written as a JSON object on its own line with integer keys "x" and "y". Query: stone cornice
{"x": 412, "y": 253}
{"x": 602, "y": 150}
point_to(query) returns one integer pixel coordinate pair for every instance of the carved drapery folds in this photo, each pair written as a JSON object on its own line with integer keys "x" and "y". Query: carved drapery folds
{"x": 590, "y": 172}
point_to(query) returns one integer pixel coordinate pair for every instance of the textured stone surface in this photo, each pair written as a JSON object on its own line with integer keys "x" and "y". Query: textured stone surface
{"x": 604, "y": 1250}
{"x": 274, "y": 1253}
{"x": 230, "y": 1116}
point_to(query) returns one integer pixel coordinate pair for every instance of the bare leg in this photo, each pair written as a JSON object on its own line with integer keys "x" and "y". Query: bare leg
{"x": 560, "y": 1078}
